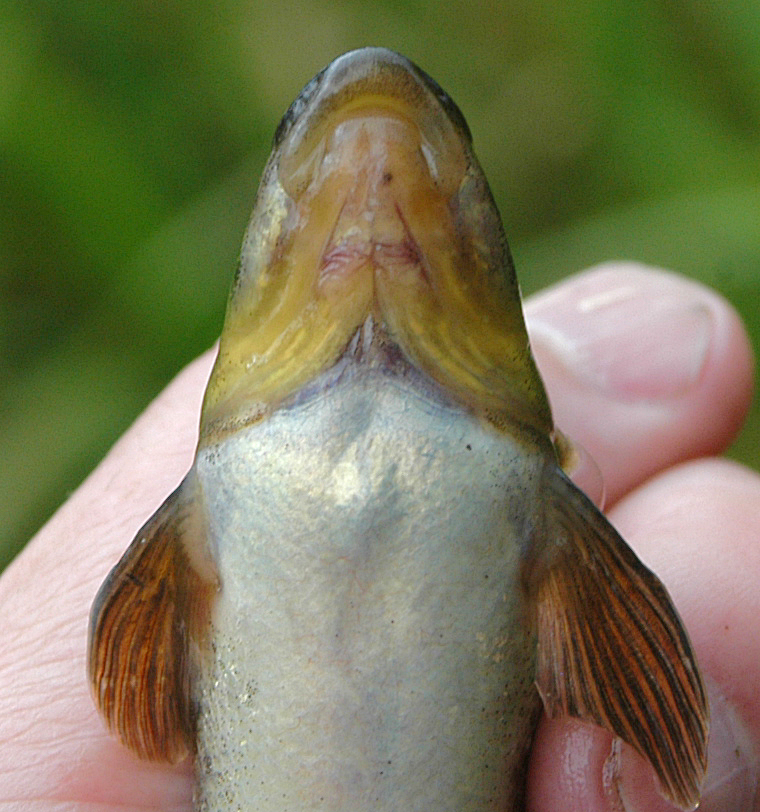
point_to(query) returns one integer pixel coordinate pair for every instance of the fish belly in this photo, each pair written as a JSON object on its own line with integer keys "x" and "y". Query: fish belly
{"x": 370, "y": 649}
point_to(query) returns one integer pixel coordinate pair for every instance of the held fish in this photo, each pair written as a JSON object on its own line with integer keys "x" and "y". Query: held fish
{"x": 376, "y": 569}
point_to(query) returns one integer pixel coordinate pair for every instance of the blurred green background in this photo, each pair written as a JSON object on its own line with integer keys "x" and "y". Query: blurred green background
{"x": 132, "y": 135}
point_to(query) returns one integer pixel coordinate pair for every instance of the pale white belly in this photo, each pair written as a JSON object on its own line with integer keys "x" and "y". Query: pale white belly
{"x": 369, "y": 644}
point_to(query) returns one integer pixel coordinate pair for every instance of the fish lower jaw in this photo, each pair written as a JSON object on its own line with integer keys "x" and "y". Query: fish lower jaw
{"x": 348, "y": 259}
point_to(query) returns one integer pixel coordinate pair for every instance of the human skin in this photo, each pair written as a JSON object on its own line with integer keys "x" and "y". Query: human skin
{"x": 649, "y": 372}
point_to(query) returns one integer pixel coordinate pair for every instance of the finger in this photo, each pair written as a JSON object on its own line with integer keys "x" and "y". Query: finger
{"x": 696, "y": 525}
{"x": 644, "y": 368}
{"x": 55, "y": 749}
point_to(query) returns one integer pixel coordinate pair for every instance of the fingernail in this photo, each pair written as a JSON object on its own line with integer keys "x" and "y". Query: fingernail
{"x": 733, "y": 763}
{"x": 640, "y": 336}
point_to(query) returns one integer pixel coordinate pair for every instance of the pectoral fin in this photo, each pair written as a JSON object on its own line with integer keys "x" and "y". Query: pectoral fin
{"x": 148, "y": 618}
{"x": 611, "y": 647}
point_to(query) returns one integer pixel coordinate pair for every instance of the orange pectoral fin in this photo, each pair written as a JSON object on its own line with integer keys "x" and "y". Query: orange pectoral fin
{"x": 611, "y": 647}
{"x": 150, "y": 614}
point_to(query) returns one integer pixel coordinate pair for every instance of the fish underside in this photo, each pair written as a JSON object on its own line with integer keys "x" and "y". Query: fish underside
{"x": 389, "y": 672}
{"x": 376, "y": 569}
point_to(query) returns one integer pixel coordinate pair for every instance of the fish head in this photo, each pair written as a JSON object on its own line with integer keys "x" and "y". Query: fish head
{"x": 373, "y": 206}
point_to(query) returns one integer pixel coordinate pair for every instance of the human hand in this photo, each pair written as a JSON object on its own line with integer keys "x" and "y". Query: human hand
{"x": 645, "y": 370}
{"x": 651, "y": 374}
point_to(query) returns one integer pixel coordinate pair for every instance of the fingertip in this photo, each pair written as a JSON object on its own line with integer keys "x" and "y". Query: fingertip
{"x": 578, "y": 767}
{"x": 696, "y": 526}
{"x": 567, "y": 766}
{"x": 644, "y": 368}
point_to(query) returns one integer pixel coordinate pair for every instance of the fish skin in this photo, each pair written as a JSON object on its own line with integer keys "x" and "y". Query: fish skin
{"x": 375, "y": 559}
{"x": 380, "y": 677}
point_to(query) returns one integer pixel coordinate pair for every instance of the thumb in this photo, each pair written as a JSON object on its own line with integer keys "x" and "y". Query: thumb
{"x": 644, "y": 368}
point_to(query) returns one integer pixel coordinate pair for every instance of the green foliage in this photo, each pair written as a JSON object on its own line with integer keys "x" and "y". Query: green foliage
{"x": 132, "y": 135}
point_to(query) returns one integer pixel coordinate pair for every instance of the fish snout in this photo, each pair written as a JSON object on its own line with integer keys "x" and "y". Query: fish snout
{"x": 365, "y": 100}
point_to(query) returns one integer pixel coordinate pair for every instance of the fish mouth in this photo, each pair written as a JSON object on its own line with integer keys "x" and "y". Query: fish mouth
{"x": 372, "y": 87}
{"x": 371, "y": 72}
{"x": 373, "y": 205}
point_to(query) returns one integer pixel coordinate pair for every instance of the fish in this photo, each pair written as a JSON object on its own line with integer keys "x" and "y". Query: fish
{"x": 377, "y": 571}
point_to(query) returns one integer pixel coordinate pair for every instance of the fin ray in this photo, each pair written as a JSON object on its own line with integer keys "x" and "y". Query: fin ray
{"x": 149, "y": 613}
{"x": 611, "y": 647}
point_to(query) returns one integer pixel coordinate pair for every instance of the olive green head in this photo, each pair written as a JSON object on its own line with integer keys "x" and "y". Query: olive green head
{"x": 373, "y": 205}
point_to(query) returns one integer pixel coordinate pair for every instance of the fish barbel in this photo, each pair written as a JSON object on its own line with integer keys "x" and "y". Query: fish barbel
{"x": 376, "y": 569}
